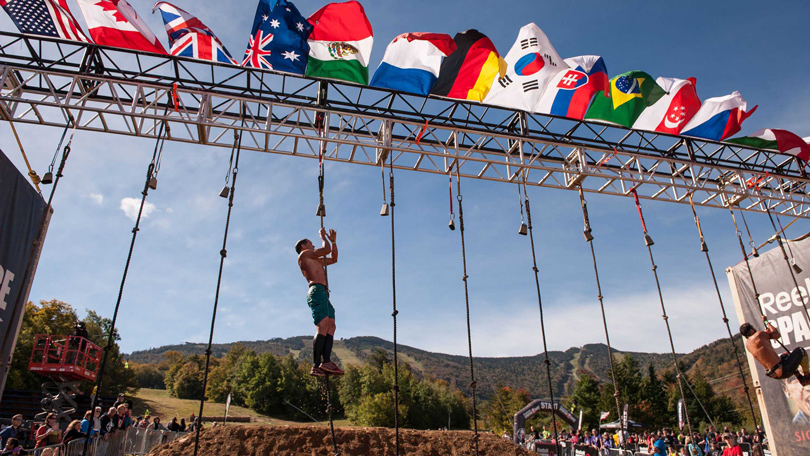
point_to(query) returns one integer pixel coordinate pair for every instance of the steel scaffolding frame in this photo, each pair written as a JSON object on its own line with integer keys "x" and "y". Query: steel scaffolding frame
{"x": 54, "y": 82}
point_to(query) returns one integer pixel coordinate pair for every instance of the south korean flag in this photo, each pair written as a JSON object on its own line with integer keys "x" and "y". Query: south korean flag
{"x": 531, "y": 64}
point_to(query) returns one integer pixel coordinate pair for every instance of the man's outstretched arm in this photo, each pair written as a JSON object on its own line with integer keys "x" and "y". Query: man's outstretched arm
{"x": 326, "y": 248}
{"x": 333, "y": 237}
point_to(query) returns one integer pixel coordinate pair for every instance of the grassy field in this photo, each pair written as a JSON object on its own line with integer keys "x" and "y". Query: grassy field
{"x": 160, "y": 403}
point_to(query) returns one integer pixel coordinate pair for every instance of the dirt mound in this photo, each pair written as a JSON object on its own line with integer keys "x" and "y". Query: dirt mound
{"x": 315, "y": 441}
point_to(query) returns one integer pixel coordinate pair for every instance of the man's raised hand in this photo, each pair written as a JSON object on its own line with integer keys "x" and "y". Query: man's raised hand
{"x": 332, "y": 235}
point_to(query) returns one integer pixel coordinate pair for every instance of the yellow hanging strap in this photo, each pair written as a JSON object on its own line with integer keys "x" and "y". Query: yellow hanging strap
{"x": 31, "y": 173}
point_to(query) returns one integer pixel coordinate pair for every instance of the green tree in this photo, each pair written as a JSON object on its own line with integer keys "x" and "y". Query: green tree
{"x": 148, "y": 376}
{"x": 221, "y": 378}
{"x": 188, "y": 380}
{"x": 586, "y": 395}
{"x": 498, "y": 413}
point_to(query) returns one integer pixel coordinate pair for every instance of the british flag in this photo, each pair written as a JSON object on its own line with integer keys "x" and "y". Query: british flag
{"x": 44, "y": 18}
{"x": 257, "y": 53}
{"x": 189, "y": 37}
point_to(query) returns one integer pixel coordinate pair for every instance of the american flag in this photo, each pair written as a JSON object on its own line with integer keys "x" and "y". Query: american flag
{"x": 44, "y": 18}
{"x": 257, "y": 51}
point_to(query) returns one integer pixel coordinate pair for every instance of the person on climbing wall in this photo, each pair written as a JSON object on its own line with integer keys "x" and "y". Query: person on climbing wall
{"x": 779, "y": 367}
{"x": 313, "y": 262}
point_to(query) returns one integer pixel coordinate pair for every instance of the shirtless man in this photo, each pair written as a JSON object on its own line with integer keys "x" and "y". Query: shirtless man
{"x": 312, "y": 262}
{"x": 779, "y": 367}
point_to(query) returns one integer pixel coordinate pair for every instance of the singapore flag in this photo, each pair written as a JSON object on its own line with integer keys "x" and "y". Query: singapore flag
{"x": 672, "y": 112}
{"x": 115, "y": 23}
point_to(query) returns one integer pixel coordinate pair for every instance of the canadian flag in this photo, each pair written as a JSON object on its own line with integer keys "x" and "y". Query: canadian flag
{"x": 115, "y": 23}
{"x": 674, "y": 110}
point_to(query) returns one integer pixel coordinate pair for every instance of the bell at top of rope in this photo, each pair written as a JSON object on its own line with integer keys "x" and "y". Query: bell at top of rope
{"x": 523, "y": 230}
{"x": 47, "y": 178}
{"x": 153, "y": 183}
{"x": 321, "y": 212}
{"x": 452, "y": 224}
{"x": 226, "y": 191}
{"x": 384, "y": 210}
{"x": 587, "y": 233}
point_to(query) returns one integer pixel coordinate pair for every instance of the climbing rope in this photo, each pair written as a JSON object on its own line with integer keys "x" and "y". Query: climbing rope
{"x": 237, "y": 146}
{"x": 705, "y": 249}
{"x": 587, "y": 232}
{"x": 649, "y": 242}
{"x": 320, "y": 120}
{"x": 464, "y": 278}
{"x": 748, "y": 265}
{"x": 38, "y": 240}
{"x": 395, "y": 311}
{"x": 540, "y": 305}
{"x": 150, "y": 182}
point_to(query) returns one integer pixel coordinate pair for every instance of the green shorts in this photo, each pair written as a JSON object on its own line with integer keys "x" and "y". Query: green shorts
{"x": 318, "y": 301}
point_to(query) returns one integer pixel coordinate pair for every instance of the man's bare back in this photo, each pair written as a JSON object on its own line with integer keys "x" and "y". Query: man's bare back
{"x": 312, "y": 260}
{"x": 759, "y": 345}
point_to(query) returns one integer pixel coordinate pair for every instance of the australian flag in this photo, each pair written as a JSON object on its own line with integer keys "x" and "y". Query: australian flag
{"x": 278, "y": 40}
{"x": 45, "y": 18}
{"x": 189, "y": 37}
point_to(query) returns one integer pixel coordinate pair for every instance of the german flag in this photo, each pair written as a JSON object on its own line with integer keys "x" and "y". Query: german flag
{"x": 468, "y": 73}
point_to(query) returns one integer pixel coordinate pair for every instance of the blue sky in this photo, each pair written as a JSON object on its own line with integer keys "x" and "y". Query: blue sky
{"x": 759, "y": 51}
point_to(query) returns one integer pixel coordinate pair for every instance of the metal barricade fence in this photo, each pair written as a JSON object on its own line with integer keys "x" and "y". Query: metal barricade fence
{"x": 140, "y": 441}
{"x": 50, "y": 450}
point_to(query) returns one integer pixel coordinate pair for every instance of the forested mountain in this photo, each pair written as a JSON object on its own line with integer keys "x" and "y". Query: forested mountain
{"x": 715, "y": 360}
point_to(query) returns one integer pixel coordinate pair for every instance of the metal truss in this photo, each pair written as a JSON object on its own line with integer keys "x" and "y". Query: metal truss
{"x": 53, "y": 82}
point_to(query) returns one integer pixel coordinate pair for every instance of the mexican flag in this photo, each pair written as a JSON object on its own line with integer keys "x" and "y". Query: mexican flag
{"x": 774, "y": 139}
{"x": 340, "y": 43}
{"x": 629, "y": 95}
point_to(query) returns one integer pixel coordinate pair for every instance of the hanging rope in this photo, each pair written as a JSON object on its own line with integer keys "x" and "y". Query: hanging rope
{"x": 149, "y": 183}
{"x": 395, "y": 311}
{"x": 36, "y": 245}
{"x": 705, "y": 249}
{"x": 35, "y": 179}
{"x": 320, "y": 123}
{"x": 649, "y": 242}
{"x": 790, "y": 264}
{"x": 748, "y": 265}
{"x": 222, "y": 254}
{"x": 542, "y": 321}
{"x": 589, "y": 239}
{"x": 464, "y": 278}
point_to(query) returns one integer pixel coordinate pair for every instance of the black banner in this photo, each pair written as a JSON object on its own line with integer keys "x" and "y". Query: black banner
{"x": 21, "y": 212}
{"x": 785, "y": 404}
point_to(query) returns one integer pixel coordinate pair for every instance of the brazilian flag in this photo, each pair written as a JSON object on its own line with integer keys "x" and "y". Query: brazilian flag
{"x": 630, "y": 93}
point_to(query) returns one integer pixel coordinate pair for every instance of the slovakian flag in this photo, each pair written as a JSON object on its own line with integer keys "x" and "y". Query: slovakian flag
{"x": 340, "y": 43}
{"x": 630, "y": 94}
{"x": 570, "y": 93}
{"x": 278, "y": 40}
{"x": 774, "y": 139}
{"x": 718, "y": 118}
{"x": 44, "y": 18}
{"x": 671, "y": 113}
{"x": 468, "y": 73}
{"x": 189, "y": 37}
{"x": 531, "y": 64}
{"x": 115, "y": 23}
{"x": 411, "y": 62}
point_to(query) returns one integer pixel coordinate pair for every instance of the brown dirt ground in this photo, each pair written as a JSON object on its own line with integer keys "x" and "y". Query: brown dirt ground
{"x": 316, "y": 441}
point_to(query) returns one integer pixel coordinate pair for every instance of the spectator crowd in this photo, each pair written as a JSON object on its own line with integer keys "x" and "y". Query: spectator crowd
{"x": 665, "y": 442}
{"x": 18, "y": 439}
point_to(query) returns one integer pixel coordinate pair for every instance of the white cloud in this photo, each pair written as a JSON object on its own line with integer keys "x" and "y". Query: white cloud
{"x": 97, "y": 198}
{"x": 130, "y": 207}
{"x": 169, "y": 210}
{"x": 634, "y": 322}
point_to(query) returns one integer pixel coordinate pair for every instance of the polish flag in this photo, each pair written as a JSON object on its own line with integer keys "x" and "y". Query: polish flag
{"x": 115, "y": 23}
{"x": 674, "y": 110}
